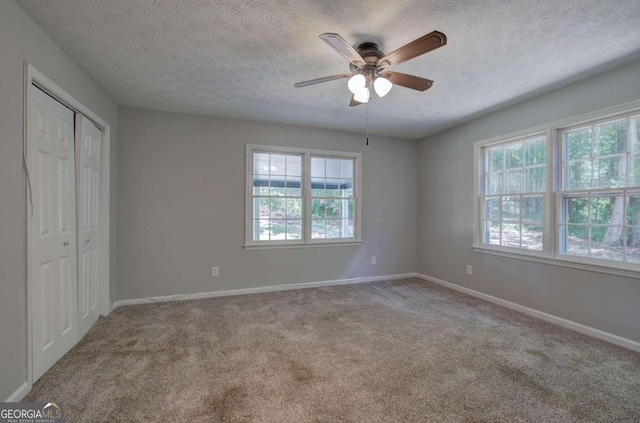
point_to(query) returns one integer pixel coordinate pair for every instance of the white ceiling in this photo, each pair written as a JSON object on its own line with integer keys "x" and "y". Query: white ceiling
{"x": 240, "y": 58}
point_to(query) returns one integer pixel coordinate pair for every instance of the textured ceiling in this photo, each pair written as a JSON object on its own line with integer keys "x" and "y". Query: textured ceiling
{"x": 240, "y": 58}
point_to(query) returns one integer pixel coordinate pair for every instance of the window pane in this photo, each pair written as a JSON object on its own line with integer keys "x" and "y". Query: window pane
{"x": 532, "y": 209}
{"x": 294, "y": 208}
{"x": 495, "y": 159}
{"x": 576, "y": 240}
{"x": 513, "y": 155}
{"x": 332, "y": 168}
{"x": 294, "y": 165}
{"x": 607, "y": 210}
{"x": 317, "y": 166}
{"x": 633, "y": 210}
{"x": 633, "y": 244}
{"x": 350, "y": 228}
{"x": 535, "y": 151}
{"x": 491, "y": 233}
{"x": 351, "y": 209}
{"x": 260, "y": 164}
{"x": 294, "y": 229}
{"x": 277, "y": 164}
{"x": 278, "y": 208}
{"x": 334, "y": 227}
{"x": 261, "y": 181}
{"x": 333, "y": 209}
{"x": 578, "y": 143}
{"x": 346, "y": 169}
{"x": 346, "y": 185}
{"x": 277, "y": 189}
{"x": 262, "y": 229}
{"x": 495, "y": 182}
{"x": 333, "y": 188}
{"x": 278, "y": 229}
{"x": 510, "y": 208}
{"x": 579, "y": 176}
{"x": 610, "y": 172}
{"x": 492, "y": 209}
{"x": 317, "y": 209}
{"x": 610, "y": 138}
{"x": 264, "y": 204}
{"x": 511, "y": 235}
{"x": 577, "y": 210}
{"x": 317, "y": 228}
{"x": 532, "y": 237}
{"x": 634, "y": 133}
{"x": 260, "y": 190}
{"x": 293, "y": 186}
{"x": 536, "y": 179}
{"x": 634, "y": 170}
{"x": 606, "y": 242}
{"x": 513, "y": 181}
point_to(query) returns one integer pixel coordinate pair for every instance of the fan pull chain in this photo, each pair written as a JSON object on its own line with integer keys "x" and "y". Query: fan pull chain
{"x": 367, "y": 123}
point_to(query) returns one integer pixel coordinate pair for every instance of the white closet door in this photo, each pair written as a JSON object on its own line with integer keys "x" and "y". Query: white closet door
{"x": 88, "y": 223}
{"x": 53, "y": 260}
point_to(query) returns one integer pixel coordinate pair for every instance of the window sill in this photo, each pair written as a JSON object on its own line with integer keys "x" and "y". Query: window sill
{"x": 313, "y": 244}
{"x": 565, "y": 261}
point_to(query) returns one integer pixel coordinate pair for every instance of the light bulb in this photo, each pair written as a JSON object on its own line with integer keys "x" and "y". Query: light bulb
{"x": 356, "y": 83}
{"x": 362, "y": 96}
{"x": 382, "y": 86}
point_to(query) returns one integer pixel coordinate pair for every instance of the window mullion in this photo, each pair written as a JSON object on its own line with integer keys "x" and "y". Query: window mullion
{"x": 624, "y": 225}
{"x": 306, "y": 198}
{"x": 555, "y": 179}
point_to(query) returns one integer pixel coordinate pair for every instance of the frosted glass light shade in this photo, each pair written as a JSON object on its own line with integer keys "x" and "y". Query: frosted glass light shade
{"x": 382, "y": 86}
{"x": 356, "y": 83}
{"x": 362, "y": 96}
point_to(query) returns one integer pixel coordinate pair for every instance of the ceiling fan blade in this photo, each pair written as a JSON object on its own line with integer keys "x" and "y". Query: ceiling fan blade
{"x": 325, "y": 79}
{"x": 415, "y": 48}
{"x": 340, "y": 45}
{"x": 408, "y": 81}
{"x": 353, "y": 102}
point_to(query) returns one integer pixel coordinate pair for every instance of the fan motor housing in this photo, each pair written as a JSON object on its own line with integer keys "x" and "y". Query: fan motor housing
{"x": 371, "y": 53}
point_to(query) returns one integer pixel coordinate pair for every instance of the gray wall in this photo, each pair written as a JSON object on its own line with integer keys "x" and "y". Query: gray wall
{"x": 22, "y": 40}
{"x": 181, "y": 206}
{"x": 445, "y": 184}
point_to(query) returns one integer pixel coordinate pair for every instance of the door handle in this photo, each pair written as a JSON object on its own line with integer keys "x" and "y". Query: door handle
{"x": 65, "y": 244}
{"x": 87, "y": 240}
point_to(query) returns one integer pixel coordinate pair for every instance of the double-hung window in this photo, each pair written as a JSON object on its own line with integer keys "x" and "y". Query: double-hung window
{"x": 301, "y": 197}
{"x": 568, "y": 192}
{"x": 513, "y": 196}
{"x": 600, "y": 190}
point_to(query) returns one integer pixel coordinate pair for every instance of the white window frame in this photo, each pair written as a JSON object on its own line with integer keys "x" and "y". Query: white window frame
{"x": 551, "y": 252}
{"x": 306, "y": 240}
{"x": 482, "y": 184}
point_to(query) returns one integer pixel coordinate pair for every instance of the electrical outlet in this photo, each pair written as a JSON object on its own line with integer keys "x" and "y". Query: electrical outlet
{"x": 214, "y": 271}
{"x": 469, "y": 269}
{"x": 373, "y": 260}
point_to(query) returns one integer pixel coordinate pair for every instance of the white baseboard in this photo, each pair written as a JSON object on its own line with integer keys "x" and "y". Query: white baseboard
{"x": 19, "y": 393}
{"x": 578, "y": 327}
{"x": 271, "y": 288}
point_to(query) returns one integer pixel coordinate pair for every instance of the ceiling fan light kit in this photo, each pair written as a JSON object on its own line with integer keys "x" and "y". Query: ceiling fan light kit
{"x": 362, "y": 96}
{"x": 382, "y": 86}
{"x": 369, "y": 66}
{"x": 357, "y": 83}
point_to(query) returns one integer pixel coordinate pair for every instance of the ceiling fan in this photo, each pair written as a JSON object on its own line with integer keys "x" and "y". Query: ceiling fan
{"x": 369, "y": 66}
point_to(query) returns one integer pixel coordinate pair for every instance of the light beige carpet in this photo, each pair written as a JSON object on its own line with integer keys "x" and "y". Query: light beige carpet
{"x": 395, "y": 351}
